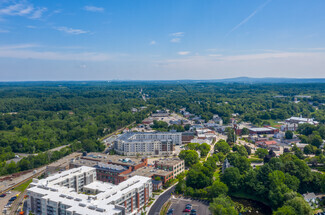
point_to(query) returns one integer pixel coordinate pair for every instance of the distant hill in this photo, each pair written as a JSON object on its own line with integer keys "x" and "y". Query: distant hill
{"x": 270, "y": 80}
{"x": 242, "y": 80}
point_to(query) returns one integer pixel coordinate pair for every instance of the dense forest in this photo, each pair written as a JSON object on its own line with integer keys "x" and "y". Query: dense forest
{"x": 36, "y": 117}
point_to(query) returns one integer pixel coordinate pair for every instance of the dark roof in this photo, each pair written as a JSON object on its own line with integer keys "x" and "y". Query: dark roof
{"x": 156, "y": 182}
{"x": 110, "y": 167}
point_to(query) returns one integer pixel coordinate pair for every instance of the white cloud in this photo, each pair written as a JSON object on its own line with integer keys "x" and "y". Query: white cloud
{"x": 177, "y": 37}
{"x": 183, "y": 53}
{"x": 177, "y": 34}
{"x": 175, "y": 40}
{"x": 23, "y": 9}
{"x": 4, "y": 31}
{"x": 93, "y": 9}
{"x": 31, "y": 27}
{"x": 38, "y": 13}
{"x": 19, "y": 46}
{"x": 153, "y": 42}
{"x": 264, "y": 56}
{"x": 24, "y": 51}
{"x": 249, "y": 17}
{"x": 71, "y": 30}
{"x": 281, "y": 64}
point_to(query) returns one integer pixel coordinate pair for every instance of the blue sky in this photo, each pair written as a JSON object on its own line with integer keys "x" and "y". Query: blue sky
{"x": 161, "y": 39}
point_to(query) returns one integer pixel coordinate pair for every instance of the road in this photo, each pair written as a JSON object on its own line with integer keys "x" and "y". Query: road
{"x": 219, "y": 137}
{"x": 156, "y": 207}
{"x": 22, "y": 155}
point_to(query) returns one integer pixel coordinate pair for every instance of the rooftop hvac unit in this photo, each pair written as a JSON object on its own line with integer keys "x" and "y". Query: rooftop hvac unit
{"x": 100, "y": 209}
{"x": 92, "y": 207}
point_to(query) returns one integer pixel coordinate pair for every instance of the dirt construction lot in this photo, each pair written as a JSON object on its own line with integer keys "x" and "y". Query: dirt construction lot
{"x": 178, "y": 204}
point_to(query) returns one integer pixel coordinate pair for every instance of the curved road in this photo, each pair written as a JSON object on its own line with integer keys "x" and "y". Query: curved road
{"x": 156, "y": 207}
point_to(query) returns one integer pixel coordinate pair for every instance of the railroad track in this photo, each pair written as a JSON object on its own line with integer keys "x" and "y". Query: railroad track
{"x": 23, "y": 181}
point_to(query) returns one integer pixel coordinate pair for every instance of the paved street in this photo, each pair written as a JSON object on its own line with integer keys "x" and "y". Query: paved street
{"x": 156, "y": 207}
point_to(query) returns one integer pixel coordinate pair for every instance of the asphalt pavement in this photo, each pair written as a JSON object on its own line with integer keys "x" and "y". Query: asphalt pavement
{"x": 156, "y": 207}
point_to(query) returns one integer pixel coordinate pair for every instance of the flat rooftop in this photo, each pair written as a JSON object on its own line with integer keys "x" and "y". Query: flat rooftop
{"x": 147, "y": 172}
{"x": 132, "y": 136}
{"x": 57, "y": 178}
{"x": 102, "y": 203}
{"x": 116, "y": 159}
{"x": 262, "y": 129}
{"x": 169, "y": 161}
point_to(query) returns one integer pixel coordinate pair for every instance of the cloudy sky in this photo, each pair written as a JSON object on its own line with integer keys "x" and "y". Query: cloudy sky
{"x": 161, "y": 39}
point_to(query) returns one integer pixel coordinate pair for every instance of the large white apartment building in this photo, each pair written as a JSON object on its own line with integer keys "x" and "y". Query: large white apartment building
{"x": 77, "y": 192}
{"x": 147, "y": 143}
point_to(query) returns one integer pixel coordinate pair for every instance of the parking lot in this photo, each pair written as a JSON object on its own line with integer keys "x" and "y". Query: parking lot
{"x": 178, "y": 204}
{"x": 4, "y": 200}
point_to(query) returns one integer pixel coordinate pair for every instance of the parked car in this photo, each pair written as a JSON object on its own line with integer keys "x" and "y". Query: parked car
{"x": 188, "y": 206}
{"x": 13, "y": 198}
{"x": 170, "y": 211}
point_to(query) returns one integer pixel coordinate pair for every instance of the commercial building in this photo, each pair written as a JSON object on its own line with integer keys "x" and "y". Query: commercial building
{"x": 163, "y": 175}
{"x": 134, "y": 163}
{"x": 116, "y": 169}
{"x": 292, "y": 123}
{"x": 200, "y": 141}
{"x": 187, "y": 137}
{"x": 264, "y": 130}
{"x": 147, "y": 143}
{"x": 64, "y": 194}
{"x": 105, "y": 172}
{"x": 177, "y": 166}
{"x": 109, "y": 168}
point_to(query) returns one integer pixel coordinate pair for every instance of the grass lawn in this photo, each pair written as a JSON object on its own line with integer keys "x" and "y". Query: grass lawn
{"x": 165, "y": 208}
{"x": 254, "y": 156}
{"x": 216, "y": 174}
{"x": 23, "y": 187}
{"x": 273, "y": 123}
{"x": 255, "y": 160}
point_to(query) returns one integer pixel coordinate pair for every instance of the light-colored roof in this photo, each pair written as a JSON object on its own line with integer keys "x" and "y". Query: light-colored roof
{"x": 102, "y": 203}
{"x": 309, "y": 196}
{"x": 262, "y": 129}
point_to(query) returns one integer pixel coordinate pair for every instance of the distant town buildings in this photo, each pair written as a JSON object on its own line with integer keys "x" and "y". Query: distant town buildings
{"x": 77, "y": 192}
{"x": 160, "y": 113}
{"x": 187, "y": 137}
{"x": 264, "y": 130}
{"x": 255, "y": 131}
{"x": 292, "y": 123}
{"x": 147, "y": 143}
